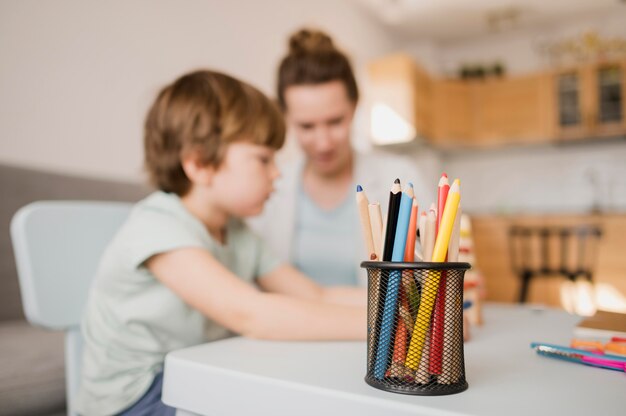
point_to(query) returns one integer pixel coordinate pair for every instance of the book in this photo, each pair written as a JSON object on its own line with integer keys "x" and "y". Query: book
{"x": 603, "y": 324}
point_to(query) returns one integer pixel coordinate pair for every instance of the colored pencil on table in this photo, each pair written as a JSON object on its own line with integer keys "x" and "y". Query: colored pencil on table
{"x": 432, "y": 282}
{"x": 436, "y": 344}
{"x": 393, "y": 287}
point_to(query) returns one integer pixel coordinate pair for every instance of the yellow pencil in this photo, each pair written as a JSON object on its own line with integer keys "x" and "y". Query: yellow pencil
{"x": 429, "y": 292}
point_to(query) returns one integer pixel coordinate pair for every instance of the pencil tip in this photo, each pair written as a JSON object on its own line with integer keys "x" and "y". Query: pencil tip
{"x": 359, "y": 188}
{"x": 397, "y": 180}
{"x": 444, "y": 174}
{"x": 411, "y": 184}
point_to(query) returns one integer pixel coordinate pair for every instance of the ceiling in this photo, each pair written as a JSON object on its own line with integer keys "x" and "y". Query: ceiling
{"x": 449, "y": 20}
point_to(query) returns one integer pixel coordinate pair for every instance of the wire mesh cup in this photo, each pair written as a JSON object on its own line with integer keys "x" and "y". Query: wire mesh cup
{"x": 415, "y": 327}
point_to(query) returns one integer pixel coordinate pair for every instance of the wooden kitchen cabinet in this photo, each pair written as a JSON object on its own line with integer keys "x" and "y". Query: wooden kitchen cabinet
{"x": 589, "y": 101}
{"x": 402, "y": 86}
{"x": 512, "y": 110}
{"x": 581, "y": 102}
{"x": 452, "y": 111}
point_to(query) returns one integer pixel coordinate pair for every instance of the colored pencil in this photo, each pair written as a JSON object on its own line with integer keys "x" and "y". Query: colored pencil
{"x": 366, "y": 227}
{"x": 436, "y": 344}
{"x": 376, "y": 221}
{"x": 450, "y": 373}
{"x": 421, "y": 225}
{"x": 429, "y": 235}
{"x": 409, "y": 252}
{"x": 392, "y": 219}
{"x": 393, "y": 288}
{"x": 432, "y": 282}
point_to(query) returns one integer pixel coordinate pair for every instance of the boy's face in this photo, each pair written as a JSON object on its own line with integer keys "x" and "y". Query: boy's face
{"x": 321, "y": 116}
{"x": 244, "y": 180}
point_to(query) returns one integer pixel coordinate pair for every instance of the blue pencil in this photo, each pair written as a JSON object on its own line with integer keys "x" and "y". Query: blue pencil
{"x": 393, "y": 286}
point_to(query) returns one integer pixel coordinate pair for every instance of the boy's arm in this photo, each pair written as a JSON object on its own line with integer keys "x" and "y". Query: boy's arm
{"x": 288, "y": 280}
{"x": 206, "y": 285}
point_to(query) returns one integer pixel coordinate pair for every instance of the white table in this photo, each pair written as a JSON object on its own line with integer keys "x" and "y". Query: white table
{"x": 239, "y": 376}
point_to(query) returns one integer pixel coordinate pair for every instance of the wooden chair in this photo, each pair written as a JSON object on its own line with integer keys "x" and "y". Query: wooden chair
{"x": 568, "y": 251}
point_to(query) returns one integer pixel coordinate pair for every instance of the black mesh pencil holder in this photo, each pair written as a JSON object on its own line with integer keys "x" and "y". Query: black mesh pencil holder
{"x": 415, "y": 327}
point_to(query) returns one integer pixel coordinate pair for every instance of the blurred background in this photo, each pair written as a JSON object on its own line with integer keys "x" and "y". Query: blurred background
{"x": 521, "y": 99}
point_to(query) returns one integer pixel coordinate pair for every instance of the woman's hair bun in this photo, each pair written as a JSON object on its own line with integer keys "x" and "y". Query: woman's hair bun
{"x": 307, "y": 41}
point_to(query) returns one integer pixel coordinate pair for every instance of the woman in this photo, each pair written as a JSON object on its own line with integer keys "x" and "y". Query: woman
{"x": 312, "y": 218}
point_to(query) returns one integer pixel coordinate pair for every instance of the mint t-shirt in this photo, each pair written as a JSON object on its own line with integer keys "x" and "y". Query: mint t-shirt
{"x": 326, "y": 242}
{"x": 132, "y": 321}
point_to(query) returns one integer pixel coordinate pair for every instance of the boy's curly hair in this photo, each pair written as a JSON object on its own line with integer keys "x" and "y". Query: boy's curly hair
{"x": 203, "y": 112}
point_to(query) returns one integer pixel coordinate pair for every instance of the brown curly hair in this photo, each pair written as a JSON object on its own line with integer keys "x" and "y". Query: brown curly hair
{"x": 314, "y": 59}
{"x": 203, "y": 112}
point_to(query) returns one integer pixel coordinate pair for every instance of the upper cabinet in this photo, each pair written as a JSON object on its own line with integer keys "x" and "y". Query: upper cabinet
{"x": 582, "y": 102}
{"x": 400, "y": 100}
{"x": 512, "y": 110}
{"x": 452, "y": 116}
{"x": 491, "y": 112}
{"x": 590, "y": 101}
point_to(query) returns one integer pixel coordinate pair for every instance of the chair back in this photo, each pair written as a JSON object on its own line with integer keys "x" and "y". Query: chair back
{"x": 57, "y": 246}
{"x": 569, "y": 251}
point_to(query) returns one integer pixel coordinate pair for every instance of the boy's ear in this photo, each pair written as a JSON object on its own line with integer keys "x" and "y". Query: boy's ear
{"x": 198, "y": 173}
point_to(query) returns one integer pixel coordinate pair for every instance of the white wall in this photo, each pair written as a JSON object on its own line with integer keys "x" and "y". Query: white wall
{"x": 565, "y": 178}
{"x": 76, "y": 77}
{"x": 519, "y": 49}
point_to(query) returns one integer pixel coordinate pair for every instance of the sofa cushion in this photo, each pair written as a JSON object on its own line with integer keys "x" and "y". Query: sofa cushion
{"x": 32, "y": 380}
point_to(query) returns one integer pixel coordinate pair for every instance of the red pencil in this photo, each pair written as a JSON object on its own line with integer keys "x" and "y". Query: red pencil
{"x": 436, "y": 342}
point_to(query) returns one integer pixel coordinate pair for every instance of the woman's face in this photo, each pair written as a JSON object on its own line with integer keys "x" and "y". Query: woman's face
{"x": 321, "y": 116}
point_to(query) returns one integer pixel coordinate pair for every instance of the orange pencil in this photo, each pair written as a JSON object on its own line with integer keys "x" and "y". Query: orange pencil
{"x": 409, "y": 252}
{"x": 436, "y": 344}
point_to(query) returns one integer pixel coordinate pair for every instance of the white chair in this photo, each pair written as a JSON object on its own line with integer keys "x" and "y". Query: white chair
{"x": 57, "y": 247}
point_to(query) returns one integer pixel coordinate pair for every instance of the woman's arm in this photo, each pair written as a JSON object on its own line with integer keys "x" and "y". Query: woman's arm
{"x": 288, "y": 280}
{"x": 206, "y": 285}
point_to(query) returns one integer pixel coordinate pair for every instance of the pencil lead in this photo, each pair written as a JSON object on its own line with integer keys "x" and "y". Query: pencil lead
{"x": 397, "y": 180}
{"x": 359, "y": 188}
{"x": 444, "y": 174}
{"x": 411, "y": 184}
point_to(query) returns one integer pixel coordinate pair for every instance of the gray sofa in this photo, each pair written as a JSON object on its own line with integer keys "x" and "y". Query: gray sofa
{"x": 31, "y": 359}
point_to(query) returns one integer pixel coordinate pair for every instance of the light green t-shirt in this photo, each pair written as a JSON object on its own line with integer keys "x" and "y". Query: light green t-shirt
{"x": 326, "y": 242}
{"x": 132, "y": 321}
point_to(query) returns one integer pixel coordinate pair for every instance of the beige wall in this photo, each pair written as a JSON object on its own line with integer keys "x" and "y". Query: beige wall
{"x": 76, "y": 77}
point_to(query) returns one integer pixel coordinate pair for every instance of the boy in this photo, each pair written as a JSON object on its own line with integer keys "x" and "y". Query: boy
{"x": 180, "y": 270}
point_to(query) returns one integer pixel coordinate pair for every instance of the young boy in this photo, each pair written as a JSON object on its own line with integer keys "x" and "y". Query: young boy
{"x": 181, "y": 270}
